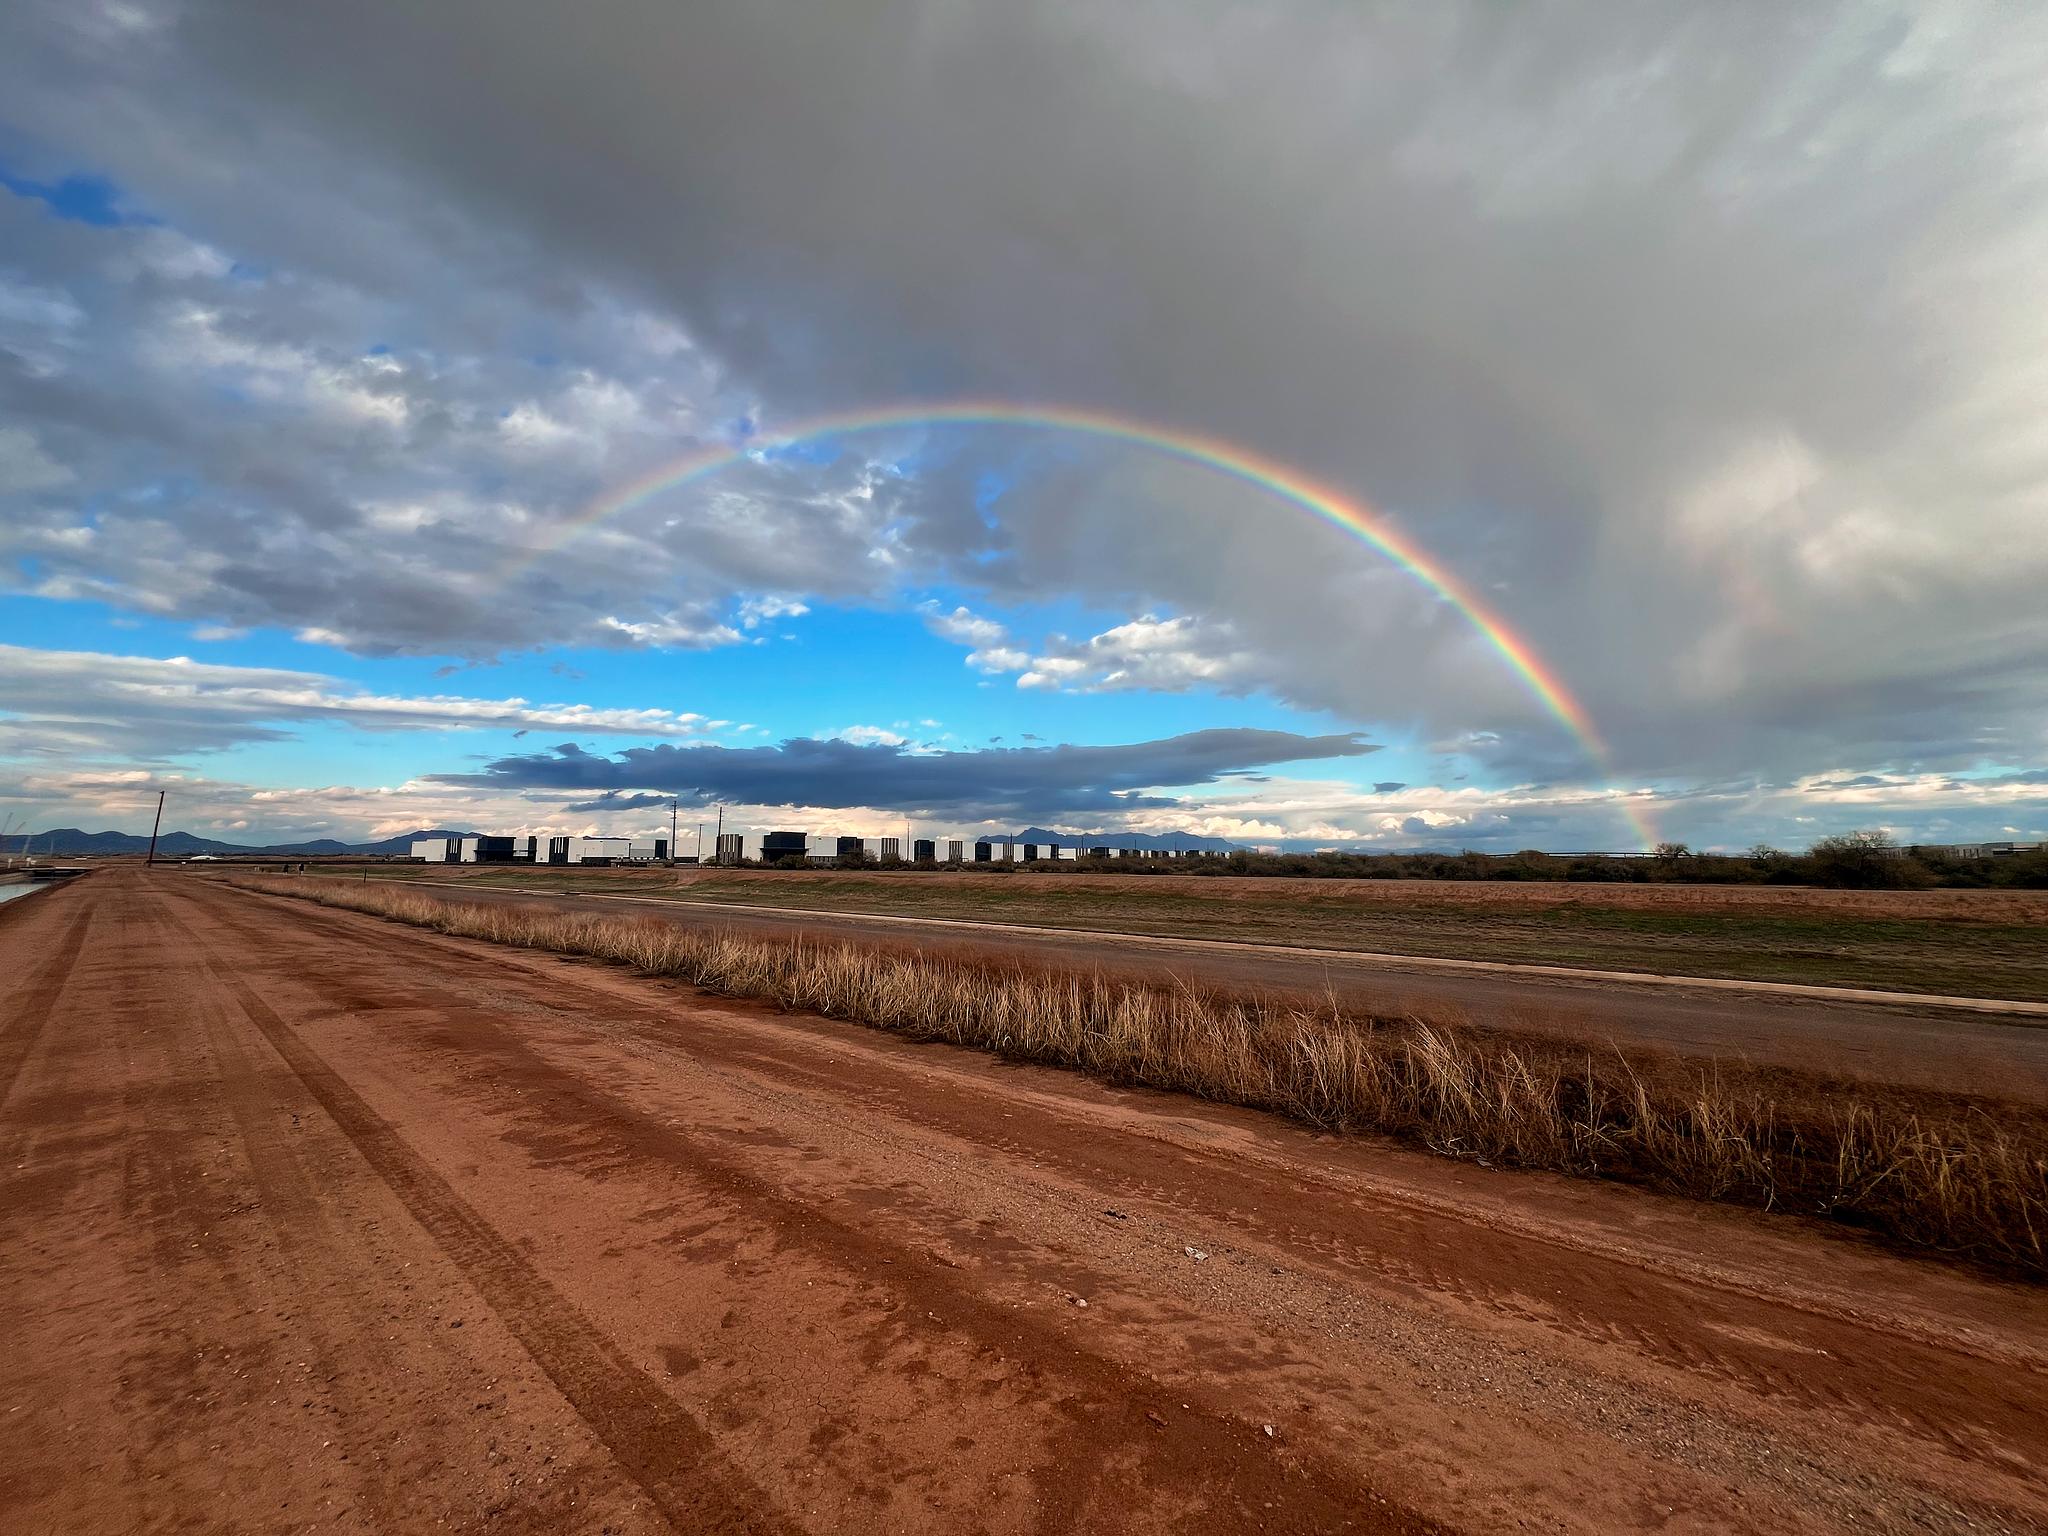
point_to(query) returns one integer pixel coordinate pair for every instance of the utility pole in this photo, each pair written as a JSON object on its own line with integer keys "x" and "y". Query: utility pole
{"x": 155, "y": 828}
{"x": 673, "y": 806}
{"x": 718, "y": 848}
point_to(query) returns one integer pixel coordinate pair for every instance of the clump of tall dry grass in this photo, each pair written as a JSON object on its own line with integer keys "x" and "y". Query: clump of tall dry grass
{"x": 1940, "y": 1173}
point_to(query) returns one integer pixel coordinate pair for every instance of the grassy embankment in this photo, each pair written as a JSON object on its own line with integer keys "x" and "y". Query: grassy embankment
{"x": 1967, "y": 943}
{"x": 1922, "y": 1170}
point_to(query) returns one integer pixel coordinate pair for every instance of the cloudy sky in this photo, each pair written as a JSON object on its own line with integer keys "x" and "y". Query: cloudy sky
{"x": 1701, "y": 347}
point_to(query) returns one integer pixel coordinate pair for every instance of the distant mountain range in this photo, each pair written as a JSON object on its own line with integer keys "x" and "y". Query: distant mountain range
{"x": 70, "y": 842}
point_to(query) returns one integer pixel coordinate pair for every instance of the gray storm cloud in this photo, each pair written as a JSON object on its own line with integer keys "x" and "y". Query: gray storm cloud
{"x": 1703, "y": 341}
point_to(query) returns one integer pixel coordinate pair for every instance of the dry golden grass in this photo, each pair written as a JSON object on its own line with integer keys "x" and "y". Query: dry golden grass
{"x": 1964, "y": 1179}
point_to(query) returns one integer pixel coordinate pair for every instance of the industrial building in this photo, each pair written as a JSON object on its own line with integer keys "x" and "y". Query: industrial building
{"x": 529, "y": 850}
{"x": 771, "y": 848}
{"x": 1975, "y": 850}
{"x": 827, "y": 848}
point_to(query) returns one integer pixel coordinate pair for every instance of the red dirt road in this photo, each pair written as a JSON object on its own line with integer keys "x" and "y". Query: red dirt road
{"x": 311, "y": 1221}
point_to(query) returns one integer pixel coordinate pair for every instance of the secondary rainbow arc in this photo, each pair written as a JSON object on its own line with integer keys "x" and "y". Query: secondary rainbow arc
{"x": 1228, "y": 459}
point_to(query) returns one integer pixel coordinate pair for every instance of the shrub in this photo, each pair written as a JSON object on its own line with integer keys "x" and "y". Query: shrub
{"x": 1859, "y": 861}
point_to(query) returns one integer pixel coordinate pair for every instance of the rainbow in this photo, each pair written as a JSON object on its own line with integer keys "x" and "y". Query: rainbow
{"x": 1223, "y": 458}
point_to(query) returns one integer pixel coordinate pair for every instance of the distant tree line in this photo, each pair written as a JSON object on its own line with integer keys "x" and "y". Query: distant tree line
{"x": 1852, "y": 861}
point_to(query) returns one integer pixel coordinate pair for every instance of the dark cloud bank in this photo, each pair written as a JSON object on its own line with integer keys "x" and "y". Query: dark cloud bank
{"x": 999, "y": 782}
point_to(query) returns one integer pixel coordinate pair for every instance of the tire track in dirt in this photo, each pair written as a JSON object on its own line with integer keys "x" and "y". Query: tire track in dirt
{"x": 1971, "y": 1403}
{"x": 172, "y": 1368}
{"x": 38, "y": 1002}
{"x": 1098, "y": 1396}
{"x": 297, "y": 1218}
{"x": 672, "y": 1457}
{"x": 167, "y": 1365}
{"x": 185, "y": 1216}
{"x": 1720, "y": 1335}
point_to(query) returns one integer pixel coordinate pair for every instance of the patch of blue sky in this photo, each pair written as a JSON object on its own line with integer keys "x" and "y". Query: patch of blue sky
{"x": 321, "y": 754}
{"x": 804, "y": 450}
{"x": 79, "y": 624}
{"x": 79, "y": 197}
{"x": 324, "y": 753}
{"x": 989, "y": 488}
{"x": 843, "y": 666}
{"x": 828, "y": 670}
{"x": 1008, "y": 715}
{"x": 839, "y": 666}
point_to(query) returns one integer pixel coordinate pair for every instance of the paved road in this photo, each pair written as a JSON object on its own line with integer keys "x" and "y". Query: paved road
{"x": 307, "y": 1219}
{"x": 1911, "y": 1044}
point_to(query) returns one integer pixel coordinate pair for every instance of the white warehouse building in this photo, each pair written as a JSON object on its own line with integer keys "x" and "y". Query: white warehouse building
{"x": 772, "y": 848}
{"x": 527, "y": 849}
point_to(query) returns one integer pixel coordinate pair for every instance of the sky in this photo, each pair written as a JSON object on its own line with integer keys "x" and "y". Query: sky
{"x": 1617, "y": 424}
